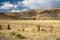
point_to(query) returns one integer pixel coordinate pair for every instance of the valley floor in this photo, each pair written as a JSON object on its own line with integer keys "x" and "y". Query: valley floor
{"x": 30, "y": 30}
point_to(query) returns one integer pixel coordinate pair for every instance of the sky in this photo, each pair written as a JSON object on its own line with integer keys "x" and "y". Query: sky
{"x": 22, "y": 5}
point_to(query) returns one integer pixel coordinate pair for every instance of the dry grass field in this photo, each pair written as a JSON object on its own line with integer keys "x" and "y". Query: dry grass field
{"x": 30, "y": 30}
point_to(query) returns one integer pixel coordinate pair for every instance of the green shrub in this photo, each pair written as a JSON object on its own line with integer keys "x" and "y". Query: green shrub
{"x": 26, "y": 18}
{"x": 58, "y": 39}
{"x": 20, "y": 36}
{"x": 19, "y": 29}
{"x": 13, "y": 33}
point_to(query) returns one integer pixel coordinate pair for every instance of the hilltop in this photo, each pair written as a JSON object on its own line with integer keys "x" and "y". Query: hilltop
{"x": 32, "y": 14}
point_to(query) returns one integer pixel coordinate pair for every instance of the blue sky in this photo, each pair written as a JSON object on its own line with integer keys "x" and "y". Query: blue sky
{"x": 22, "y": 5}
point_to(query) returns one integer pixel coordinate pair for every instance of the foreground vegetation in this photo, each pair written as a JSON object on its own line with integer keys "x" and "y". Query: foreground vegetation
{"x": 45, "y": 30}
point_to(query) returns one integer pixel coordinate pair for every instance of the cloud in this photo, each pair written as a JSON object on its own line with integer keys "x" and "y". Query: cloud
{"x": 8, "y": 5}
{"x": 40, "y": 4}
{"x": 36, "y": 4}
{"x": 24, "y": 9}
{"x": 15, "y": 10}
{"x": 30, "y": 4}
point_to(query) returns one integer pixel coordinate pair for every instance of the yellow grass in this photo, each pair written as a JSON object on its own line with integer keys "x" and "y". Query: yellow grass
{"x": 31, "y": 33}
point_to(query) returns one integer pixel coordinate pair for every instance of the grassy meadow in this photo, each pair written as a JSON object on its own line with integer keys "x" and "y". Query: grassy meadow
{"x": 30, "y": 30}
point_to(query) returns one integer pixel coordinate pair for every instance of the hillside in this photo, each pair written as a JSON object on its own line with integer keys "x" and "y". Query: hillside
{"x": 32, "y": 14}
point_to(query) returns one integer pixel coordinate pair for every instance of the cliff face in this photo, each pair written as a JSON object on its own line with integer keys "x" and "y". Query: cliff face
{"x": 38, "y": 14}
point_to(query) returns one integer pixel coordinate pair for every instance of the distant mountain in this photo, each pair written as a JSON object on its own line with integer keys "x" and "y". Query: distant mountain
{"x": 32, "y": 14}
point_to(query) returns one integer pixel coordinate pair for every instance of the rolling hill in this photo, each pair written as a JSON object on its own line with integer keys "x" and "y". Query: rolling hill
{"x": 33, "y": 14}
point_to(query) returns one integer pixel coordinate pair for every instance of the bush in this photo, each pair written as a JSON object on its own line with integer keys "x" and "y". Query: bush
{"x": 19, "y": 30}
{"x": 26, "y": 18}
{"x": 13, "y": 33}
{"x": 58, "y": 39}
{"x": 56, "y": 18}
{"x": 20, "y": 36}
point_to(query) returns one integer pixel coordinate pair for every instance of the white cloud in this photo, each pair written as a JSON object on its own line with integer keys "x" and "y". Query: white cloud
{"x": 19, "y": 3}
{"x": 39, "y": 4}
{"x": 15, "y": 10}
{"x": 8, "y": 5}
{"x": 30, "y": 4}
{"x": 24, "y": 9}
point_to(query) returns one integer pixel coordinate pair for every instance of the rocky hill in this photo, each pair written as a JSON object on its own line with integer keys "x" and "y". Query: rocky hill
{"x": 32, "y": 14}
